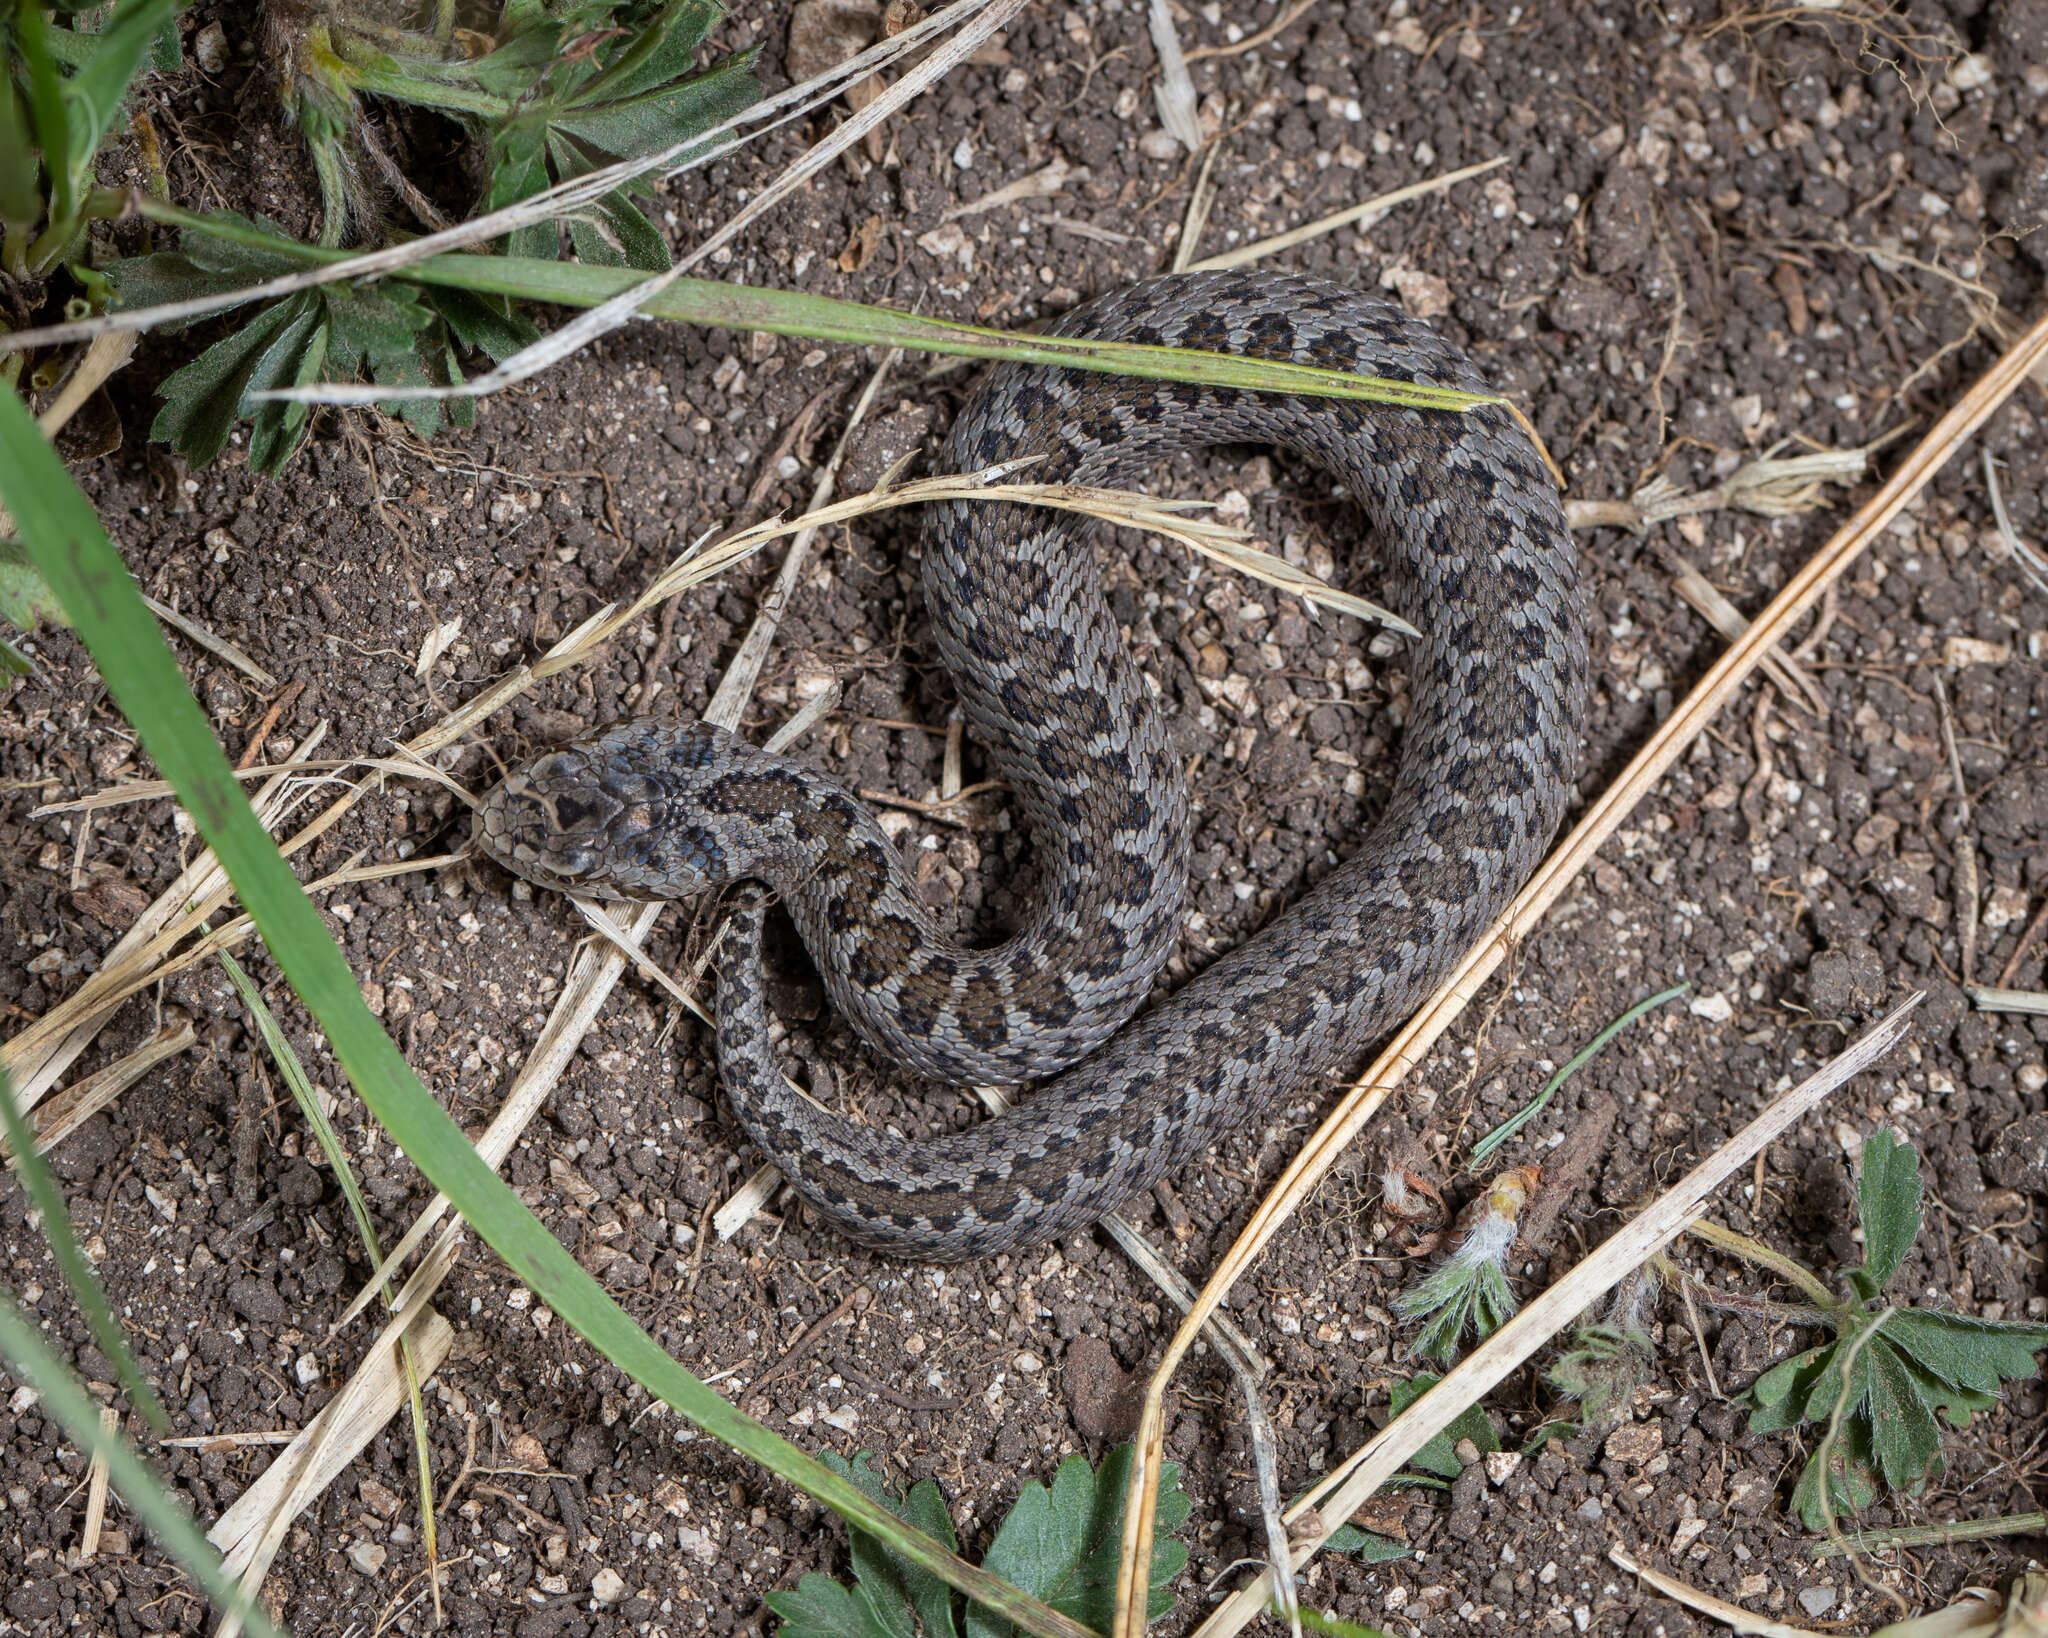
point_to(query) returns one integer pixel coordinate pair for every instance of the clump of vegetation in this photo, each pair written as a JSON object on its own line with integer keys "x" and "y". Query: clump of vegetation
{"x": 1469, "y": 1291}
{"x": 1610, "y": 1357}
{"x": 1890, "y": 1371}
{"x": 1062, "y": 1545}
{"x": 523, "y": 95}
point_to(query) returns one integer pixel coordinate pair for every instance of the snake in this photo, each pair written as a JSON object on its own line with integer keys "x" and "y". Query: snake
{"x": 1477, "y": 557}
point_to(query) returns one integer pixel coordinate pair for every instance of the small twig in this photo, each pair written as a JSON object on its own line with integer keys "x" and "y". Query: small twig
{"x": 1733, "y": 1616}
{"x": 1364, "y": 215}
{"x": 1966, "y": 844}
{"x": 2027, "y": 941}
{"x": 1933, "y": 1535}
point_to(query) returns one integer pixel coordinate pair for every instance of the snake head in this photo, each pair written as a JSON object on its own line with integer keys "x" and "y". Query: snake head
{"x": 599, "y": 818}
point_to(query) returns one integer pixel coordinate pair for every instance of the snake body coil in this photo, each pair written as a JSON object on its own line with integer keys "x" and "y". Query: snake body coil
{"x": 1480, "y": 561}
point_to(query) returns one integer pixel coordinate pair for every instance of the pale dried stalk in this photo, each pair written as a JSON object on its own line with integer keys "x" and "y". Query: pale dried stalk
{"x": 1557, "y": 873}
{"x": 1733, "y": 1616}
{"x": 1708, "y": 602}
{"x": 46, "y": 1048}
{"x": 1339, "y": 1493}
{"x": 81, "y": 1100}
{"x": 96, "y": 1491}
{"x": 1364, "y": 214}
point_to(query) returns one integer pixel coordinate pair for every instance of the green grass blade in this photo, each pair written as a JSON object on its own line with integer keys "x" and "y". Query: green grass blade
{"x": 301, "y": 1087}
{"x": 72, "y": 1262}
{"x": 47, "y": 115}
{"x": 66, "y": 540}
{"x": 1534, "y": 1107}
{"x": 141, "y": 1489}
{"x": 821, "y": 318}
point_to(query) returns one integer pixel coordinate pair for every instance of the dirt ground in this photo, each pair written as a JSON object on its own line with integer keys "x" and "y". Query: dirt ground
{"x": 1710, "y": 236}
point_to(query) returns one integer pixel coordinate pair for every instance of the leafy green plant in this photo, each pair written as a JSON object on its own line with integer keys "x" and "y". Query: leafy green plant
{"x": 1061, "y": 1545}
{"x": 398, "y": 333}
{"x": 62, "y": 90}
{"x": 1904, "y": 1366}
{"x": 557, "y": 91}
{"x": 1468, "y": 1291}
{"x": 1437, "y": 1462}
{"x": 551, "y": 90}
{"x": 1610, "y": 1357}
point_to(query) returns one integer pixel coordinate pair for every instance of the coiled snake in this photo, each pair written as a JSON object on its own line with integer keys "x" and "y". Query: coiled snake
{"x": 1481, "y": 562}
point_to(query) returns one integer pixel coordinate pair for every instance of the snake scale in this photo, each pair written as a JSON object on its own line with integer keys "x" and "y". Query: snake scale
{"x": 1480, "y": 560}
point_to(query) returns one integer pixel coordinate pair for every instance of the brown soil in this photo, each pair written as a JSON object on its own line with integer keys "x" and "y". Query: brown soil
{"x": 1652, "y": 277}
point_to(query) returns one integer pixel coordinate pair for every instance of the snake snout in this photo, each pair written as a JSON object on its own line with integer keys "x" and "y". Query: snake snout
{"x": 548, "y": 822}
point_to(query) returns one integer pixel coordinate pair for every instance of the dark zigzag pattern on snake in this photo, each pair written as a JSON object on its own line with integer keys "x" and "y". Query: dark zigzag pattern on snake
{"x": 1480, "y": 560}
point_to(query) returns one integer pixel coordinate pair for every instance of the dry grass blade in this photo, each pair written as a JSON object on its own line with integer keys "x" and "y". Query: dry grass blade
{"x": 1733, "y": 1616}
{"x": 96, "y": 1492}
{"x": 1366, "y": 214}
{"x": 1606, "y": 814}
{"x": 1173, "y": 90}
{"x": 81, "y": 1100}
{"x": 1771, "y": 486}
{"x": 1339, "y": 1493}
{"x": 1708, "y": 602}
{"x": 39, "y": 1054}
{"x": 1987, "y": 999}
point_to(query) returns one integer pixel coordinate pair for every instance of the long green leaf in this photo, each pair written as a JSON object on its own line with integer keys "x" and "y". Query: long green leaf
{"x": 65, "y": 538}
{"x": 821, "y": 318}
{"x": 72, "y": 1261}
{"x": 132, "y": 1480}
{"x": 46, "y": 107}
{"x": 1888, "y": 1202}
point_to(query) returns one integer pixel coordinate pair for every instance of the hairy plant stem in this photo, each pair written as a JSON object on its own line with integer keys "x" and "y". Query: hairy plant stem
{"x": 1794, "y": 1273}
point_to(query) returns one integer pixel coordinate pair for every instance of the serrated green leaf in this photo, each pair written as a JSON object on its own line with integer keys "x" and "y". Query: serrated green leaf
{"x": 1853, "y": 1485}
{"x": 1968, "y": 1352}
{"x": 654, "y": 119}
{"x": 664, "y": 51}
{"x": 25, "y": 596}
{"x": 1440, "y": 1455}
{"x": 488, "y": 324}
{"x": 1367, "y": 1546}
{"x": 893, "y": 1587}
{"x": 1826, "y": 1391}
{"x": 1063, "y": 1545}
{"x": 1888, "y": 1202}
{"x": 819, "y": 1607}
{"x": 1904, "y": 1438}
{"x": 612, "y": 232}
{"x": 298, "y": 356}
{"x": 1778, "y": 1397}
{"x": 202, "y": 400}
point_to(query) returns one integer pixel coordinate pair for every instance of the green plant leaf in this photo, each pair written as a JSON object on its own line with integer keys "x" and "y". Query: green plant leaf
{"x": 25, "y": 596}
{"x": 1905, "y": 1439}
{"x": 1368, "y": 1546}
{"x": 819, "y": 1607}
{"x": 21, "y": 202}
{"x": 72, "y": 1262}
{"x": 892, "y": 1582}
{"x": 1440, "y": 1455}
{"x": 68, "y": 544}
{"x": 203, "y": 399}
{"x": 1853, "y": 1482}
{"x": 1779, "y": 1396}
{"x": 1888, "y": 1202}
{"x": 1063, "y": 1545}
{"x": 146, "y": 1495}
{"x": 48, "y": 118}
{"x": 1967, "y": 1352}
